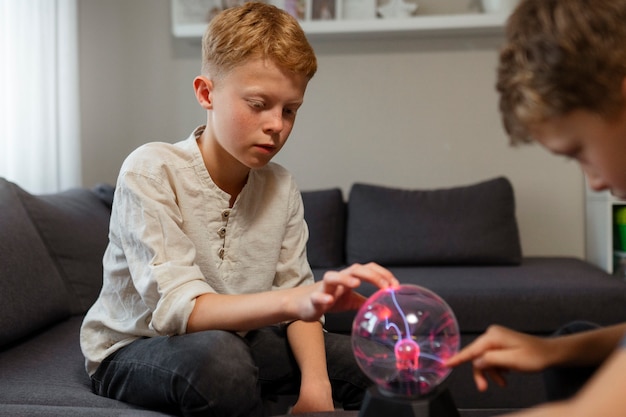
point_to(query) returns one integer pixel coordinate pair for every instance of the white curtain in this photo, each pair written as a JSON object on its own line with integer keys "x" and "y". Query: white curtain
{"x": 39, "y": 109}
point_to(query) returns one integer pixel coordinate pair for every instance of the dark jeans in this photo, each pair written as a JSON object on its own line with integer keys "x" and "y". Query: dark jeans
{"x": 218, "y": 373}
{"x": 563, "y": 382}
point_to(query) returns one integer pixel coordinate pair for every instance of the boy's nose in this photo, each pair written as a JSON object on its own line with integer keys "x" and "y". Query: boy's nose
{"x": 274, "y": 122}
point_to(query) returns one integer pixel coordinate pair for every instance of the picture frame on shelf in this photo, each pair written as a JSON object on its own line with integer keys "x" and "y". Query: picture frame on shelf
{"x": 324, "y": 10}
{"x": 300, "y": 9}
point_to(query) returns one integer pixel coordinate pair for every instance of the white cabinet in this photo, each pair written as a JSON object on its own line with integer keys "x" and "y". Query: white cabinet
{"x": 600, "y": 228}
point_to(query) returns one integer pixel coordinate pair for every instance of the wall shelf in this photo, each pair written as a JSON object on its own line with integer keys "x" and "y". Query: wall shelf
{"x": 420, "y": 26}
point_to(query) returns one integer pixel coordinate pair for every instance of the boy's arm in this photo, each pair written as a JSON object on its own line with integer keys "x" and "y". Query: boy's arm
{"x": 501, "y": 349}
{"x": 602, "y": 396}
{"x": 335, "y": 292}
{"x": 306, "y": 340}
{"x": 589, "y": 348}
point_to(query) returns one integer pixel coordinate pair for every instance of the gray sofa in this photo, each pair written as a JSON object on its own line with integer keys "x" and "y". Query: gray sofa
{"x": 50, "y": 273}
{"x": 462, "y": 243}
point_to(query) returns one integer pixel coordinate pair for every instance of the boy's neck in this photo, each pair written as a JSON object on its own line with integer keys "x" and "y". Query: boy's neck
{"x": 229, "y": 186}
{"x": 229, "y": 175}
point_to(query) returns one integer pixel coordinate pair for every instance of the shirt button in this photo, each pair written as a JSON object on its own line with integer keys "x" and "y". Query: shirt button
{"x": 225, "y": 214}
{"x": 222, "y": 232}
{"x": 220, "y": 253}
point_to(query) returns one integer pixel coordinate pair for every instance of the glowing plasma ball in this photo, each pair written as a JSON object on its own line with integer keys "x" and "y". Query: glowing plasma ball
{"x": 401, "y": 338}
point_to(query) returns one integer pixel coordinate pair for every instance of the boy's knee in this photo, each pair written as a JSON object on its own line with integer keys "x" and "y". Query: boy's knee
{"x": 222, "y": 379}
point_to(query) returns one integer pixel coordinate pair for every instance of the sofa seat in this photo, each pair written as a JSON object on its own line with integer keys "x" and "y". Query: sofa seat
{"x": 44, "y": 375}
{"x": 537, "y": 296}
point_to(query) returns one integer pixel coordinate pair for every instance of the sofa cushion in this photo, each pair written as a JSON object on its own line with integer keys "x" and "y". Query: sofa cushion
{"x": 32, "y": 292}
{"x": 74, "y": 225}
{"x": 105, "y": 193}
{"x": 325, "y": 215}
{"x": 467, "y": 225}
{"x": 47, "y": 373}
{"x": 538, "y": 296}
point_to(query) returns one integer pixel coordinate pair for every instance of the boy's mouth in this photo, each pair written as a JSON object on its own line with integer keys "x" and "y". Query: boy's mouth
{"x": 266, "y": 148}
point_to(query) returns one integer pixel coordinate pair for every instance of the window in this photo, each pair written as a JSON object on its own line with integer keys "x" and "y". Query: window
{"x": 39, "y": 111}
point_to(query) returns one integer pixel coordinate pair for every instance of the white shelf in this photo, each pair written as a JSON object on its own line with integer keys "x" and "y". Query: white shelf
{"x": 419, "y": 26}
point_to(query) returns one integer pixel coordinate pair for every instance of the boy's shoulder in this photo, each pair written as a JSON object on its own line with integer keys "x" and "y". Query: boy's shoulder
{"x": 153, "y": 156}
{"x": 152, "y": 149}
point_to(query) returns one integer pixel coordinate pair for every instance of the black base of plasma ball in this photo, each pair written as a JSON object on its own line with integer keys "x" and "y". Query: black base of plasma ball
{"x": 435, "y": 404}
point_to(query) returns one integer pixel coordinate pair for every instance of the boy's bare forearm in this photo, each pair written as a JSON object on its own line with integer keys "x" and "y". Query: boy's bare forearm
{"x": 597, "y": 398}
{"x": 590, "y": 347}
{"x": 306, "y": 340}
{"x": 240, "y": 312}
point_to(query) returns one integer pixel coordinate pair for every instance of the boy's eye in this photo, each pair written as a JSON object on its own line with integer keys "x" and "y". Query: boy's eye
{"x": 256, "y": 104}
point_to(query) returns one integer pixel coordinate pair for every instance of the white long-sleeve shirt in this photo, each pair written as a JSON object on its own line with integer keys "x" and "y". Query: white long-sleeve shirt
{"x": 174, "y": 237}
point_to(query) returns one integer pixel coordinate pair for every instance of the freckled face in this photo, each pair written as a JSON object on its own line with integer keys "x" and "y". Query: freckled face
{"x": 597, "y": 143}
{"x": 252, "y": 111}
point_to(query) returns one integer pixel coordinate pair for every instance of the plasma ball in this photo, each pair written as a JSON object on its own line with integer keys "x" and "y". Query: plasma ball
{"x": 401, "y": 338}
{"x": 407, "y": 355}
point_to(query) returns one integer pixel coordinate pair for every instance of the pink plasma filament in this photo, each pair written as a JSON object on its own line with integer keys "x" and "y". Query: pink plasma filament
{"x": 407, "y": 355}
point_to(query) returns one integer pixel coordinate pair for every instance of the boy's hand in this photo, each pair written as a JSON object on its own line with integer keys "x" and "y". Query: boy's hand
{"x": 335, "y": 293}
{"x": 499, "y": 350}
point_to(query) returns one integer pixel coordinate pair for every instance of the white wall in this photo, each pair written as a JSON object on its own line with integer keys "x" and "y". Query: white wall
{"x": 408, "y": 112}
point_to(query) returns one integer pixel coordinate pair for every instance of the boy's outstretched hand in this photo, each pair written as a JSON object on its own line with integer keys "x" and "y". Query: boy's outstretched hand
{"x": 500, "y": 350}
{"x": 335, "y": 293}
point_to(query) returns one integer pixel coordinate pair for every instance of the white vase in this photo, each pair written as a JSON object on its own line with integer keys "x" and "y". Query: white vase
{"x": 499, "y": 6}
{"x": 359, "y": 9}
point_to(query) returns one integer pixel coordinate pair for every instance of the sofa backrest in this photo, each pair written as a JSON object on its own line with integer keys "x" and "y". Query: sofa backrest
{"x": 473, "y": 224}
{"x": 74, "y": 226}
{"x": 32, "y": 292}
{"x": 325, "y": 215}
{"x": 51, "y": 249}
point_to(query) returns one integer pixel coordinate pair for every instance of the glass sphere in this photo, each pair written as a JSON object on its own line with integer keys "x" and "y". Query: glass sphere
{"x": 401, "y": 338}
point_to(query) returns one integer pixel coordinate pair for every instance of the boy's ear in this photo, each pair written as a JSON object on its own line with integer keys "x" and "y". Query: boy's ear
{"x": 203, "y": 88}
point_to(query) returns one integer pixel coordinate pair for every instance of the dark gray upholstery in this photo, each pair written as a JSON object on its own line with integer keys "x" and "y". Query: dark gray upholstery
{"x": 51, "y": 270}
{"x": 50, "y": 273}
{"x": 325, "y": 215}
{"x": 538, "y": 296}
{"x": 74, "y": 226}
{"x": 32, "y": 292}
{"x": 482, "y": 275}
{"x": 10, "y": 410}
{"x": 469, "y": 225}
{"x": 48, "y": 369}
